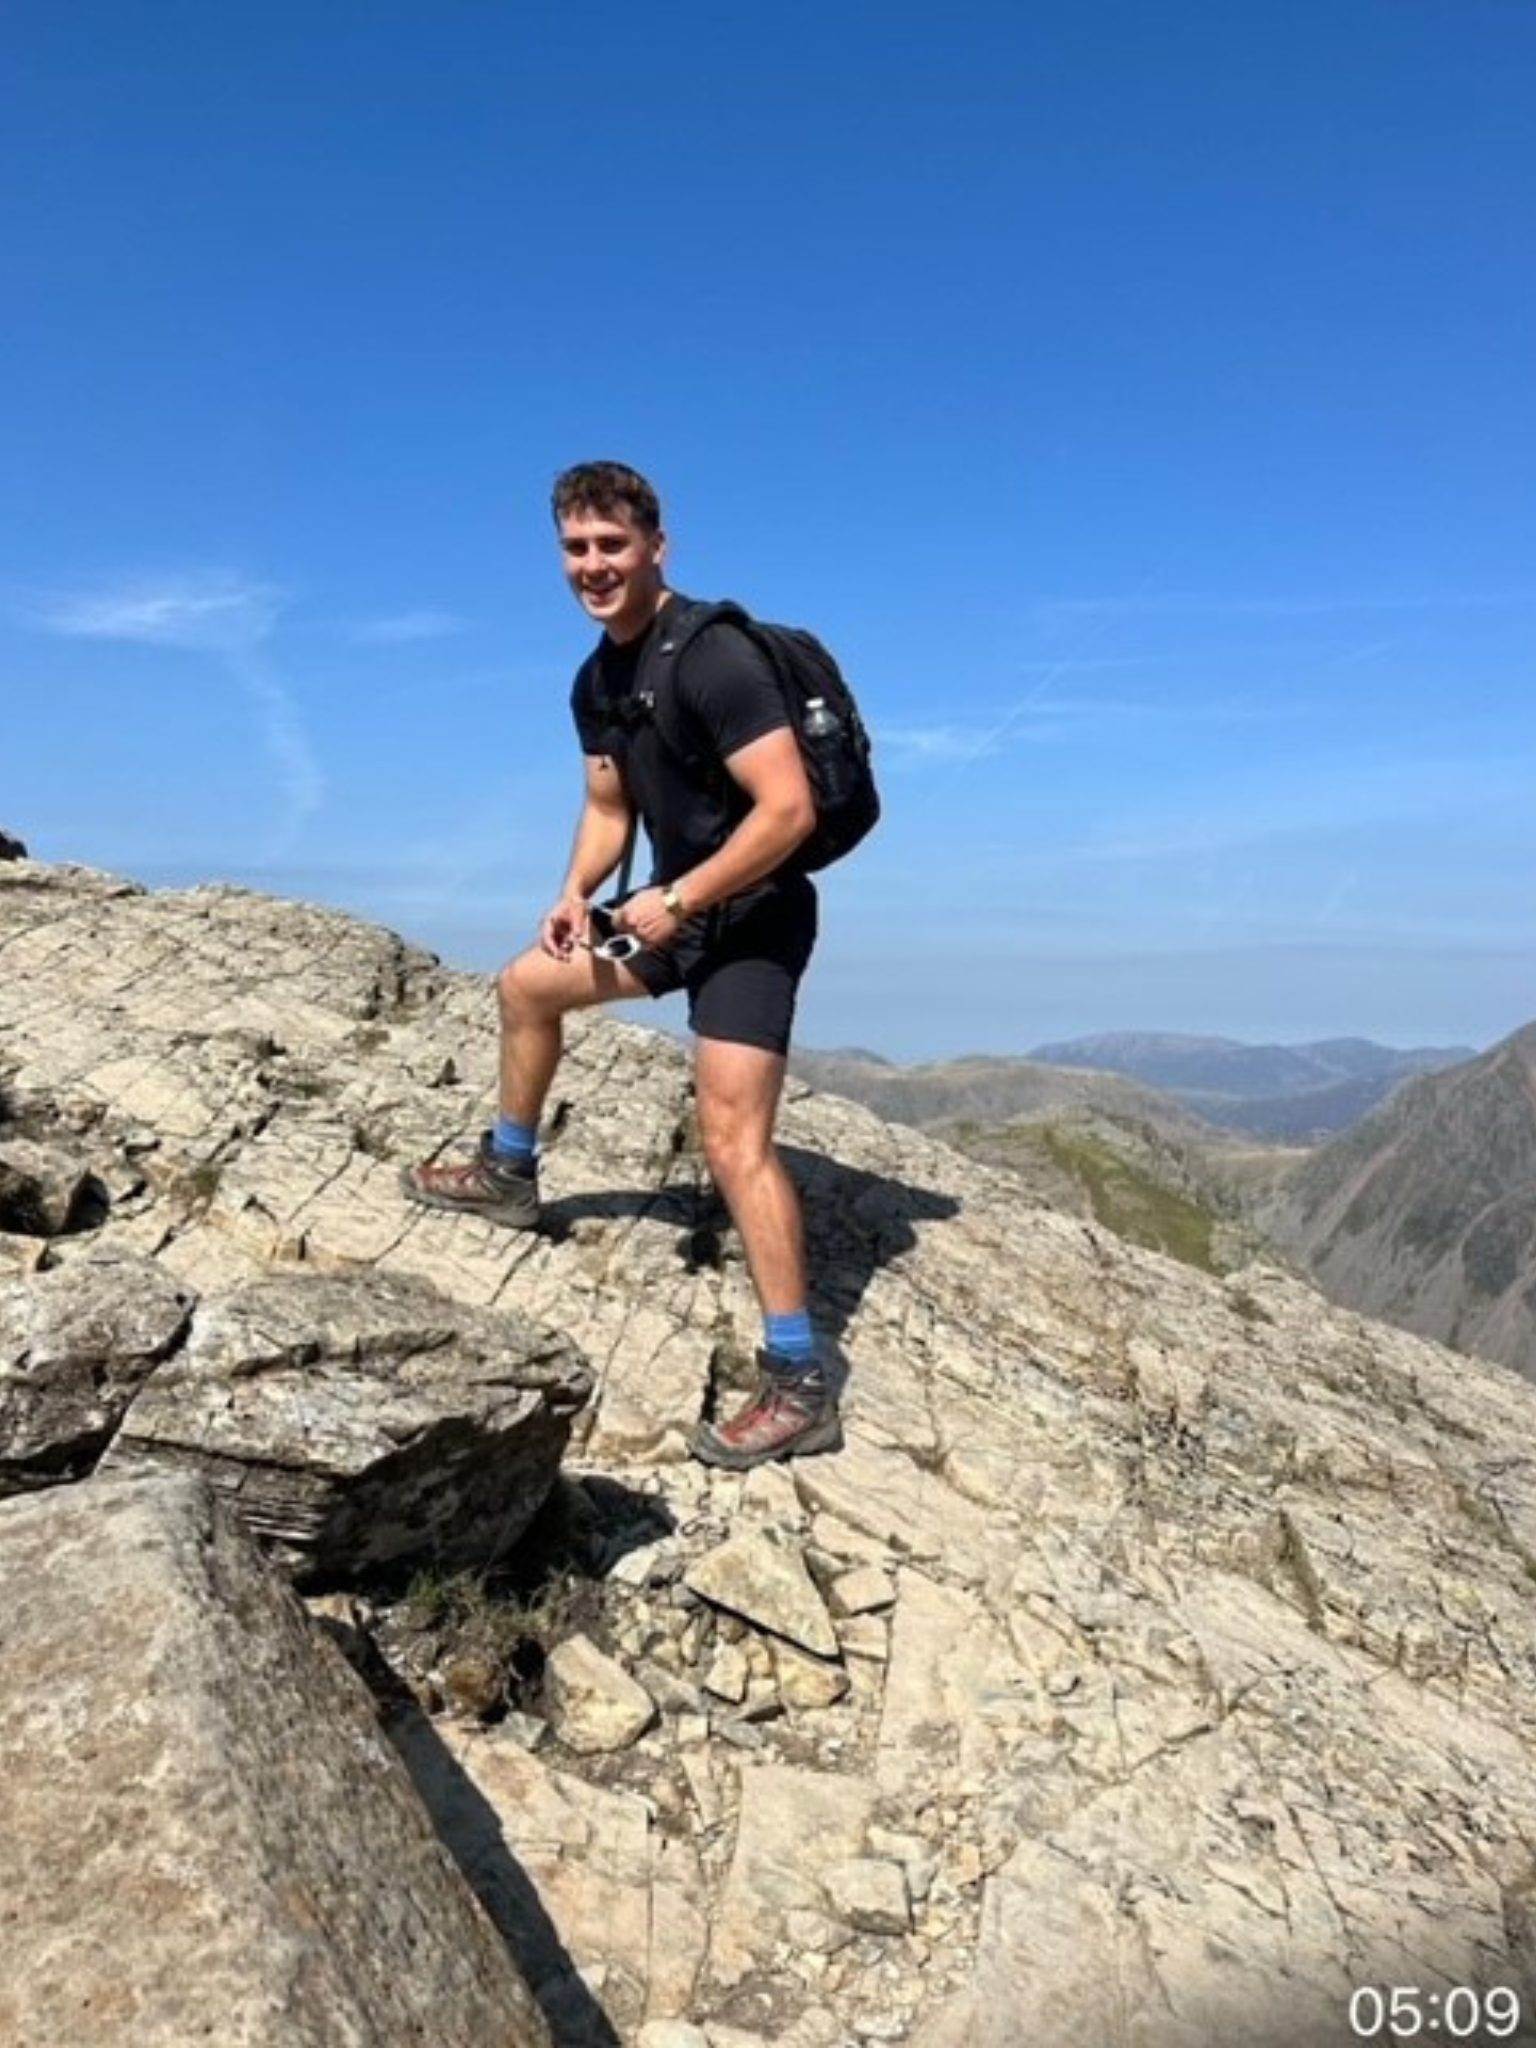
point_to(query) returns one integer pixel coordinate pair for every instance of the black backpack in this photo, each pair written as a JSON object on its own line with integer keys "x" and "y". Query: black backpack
{"x": 835, "y": 750}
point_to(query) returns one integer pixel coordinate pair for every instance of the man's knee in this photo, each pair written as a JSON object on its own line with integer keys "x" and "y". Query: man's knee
{"x": 525, "y": 989}
{"x": 737, "y": 1099}
{"x": 730, "y": 1150}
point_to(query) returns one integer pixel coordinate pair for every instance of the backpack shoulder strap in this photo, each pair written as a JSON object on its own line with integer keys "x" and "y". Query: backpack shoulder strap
{"x": 656, "y": 684}
{"x": 688, "y": 620}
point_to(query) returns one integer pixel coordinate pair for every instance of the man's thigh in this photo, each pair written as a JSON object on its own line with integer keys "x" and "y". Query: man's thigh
{"x": 737, "y": 1089}
{"x": 550, "y": 987}
{"x": 743, "y": 991}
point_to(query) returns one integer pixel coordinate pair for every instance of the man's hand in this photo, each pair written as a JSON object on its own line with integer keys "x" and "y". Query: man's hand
{"x": 564, "y": 928}
{"x": 649, "y": 919}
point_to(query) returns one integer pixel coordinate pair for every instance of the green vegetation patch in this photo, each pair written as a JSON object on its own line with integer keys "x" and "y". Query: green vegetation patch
{"x": 1131, "y": 1203}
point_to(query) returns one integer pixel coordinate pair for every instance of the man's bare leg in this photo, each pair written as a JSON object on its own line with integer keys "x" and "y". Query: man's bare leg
{"x": 535, "y": 994}
{"x": 737, "y": 1088}
{"x": 794, "y": 1412}
{"x": 534, "y": 991}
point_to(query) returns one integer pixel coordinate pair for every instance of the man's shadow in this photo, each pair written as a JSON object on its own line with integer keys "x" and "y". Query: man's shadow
{"x": 472, "y": 1831}
{"x": 579, "y": 1535}
{"x": 855, "y": 1222}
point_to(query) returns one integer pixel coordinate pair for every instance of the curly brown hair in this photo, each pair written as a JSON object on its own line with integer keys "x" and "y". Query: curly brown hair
{"x": 607, "y": 488}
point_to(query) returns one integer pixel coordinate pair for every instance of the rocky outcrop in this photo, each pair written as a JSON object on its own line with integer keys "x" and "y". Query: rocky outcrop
{"x": 1426, "y": 1212}
{"x": 362, "y": 1421}
{"x": 207, "y": 1837}
{"x": 1155, "y": 1665}
{"x": 45, "y": 1190}
{"x": 354, "y": 1421}
{"x": 11, "y": 848}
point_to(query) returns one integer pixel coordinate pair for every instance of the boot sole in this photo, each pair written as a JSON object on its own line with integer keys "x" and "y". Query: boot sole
{"x": 520, "y": 1218}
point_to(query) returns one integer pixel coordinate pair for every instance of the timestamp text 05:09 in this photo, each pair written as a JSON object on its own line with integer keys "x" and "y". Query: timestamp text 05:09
{"x": 1397, "y": 2012}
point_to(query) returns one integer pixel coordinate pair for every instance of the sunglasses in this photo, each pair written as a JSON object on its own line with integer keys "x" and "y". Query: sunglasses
{"x": 609, "y": 943}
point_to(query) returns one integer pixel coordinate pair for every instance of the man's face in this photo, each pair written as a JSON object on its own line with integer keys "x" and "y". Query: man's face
{"x": 614, "y": 567}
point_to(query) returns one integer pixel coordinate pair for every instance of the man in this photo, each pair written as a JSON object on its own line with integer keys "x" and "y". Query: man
{"x": 727, "y": 917}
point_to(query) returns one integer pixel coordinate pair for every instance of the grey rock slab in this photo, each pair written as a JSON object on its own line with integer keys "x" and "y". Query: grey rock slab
{"x": 865, "y": 1590}
{"x": 884, "y": 1493}
{"x": 206, "y": 1835}
{"x": 806, "y": 1681}
{"x": 77, "y": 1343}
{"x": 953, "y": 1687}
{"x": 761, "y": 1575}
{"x": 364, "y": 1420}
{"x": 1238, "y": 1883}
{"x": 728, "y": 1673}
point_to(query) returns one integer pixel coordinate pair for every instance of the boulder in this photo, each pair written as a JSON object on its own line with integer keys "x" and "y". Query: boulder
{"x": 207, "y": 1836}
{"x": 11, "y": 848}
{"x": 363, "y": 1421}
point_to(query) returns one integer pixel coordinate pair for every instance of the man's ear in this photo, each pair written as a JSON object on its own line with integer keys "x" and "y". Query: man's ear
{"x": 659, "y": 548}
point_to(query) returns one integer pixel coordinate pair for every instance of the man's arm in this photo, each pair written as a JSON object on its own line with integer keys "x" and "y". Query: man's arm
{"x": 597, "y": 849}
{"x": 783, "y": 814}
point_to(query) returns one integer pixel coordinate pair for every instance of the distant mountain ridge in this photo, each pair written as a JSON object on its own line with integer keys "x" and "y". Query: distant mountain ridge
{"x": 1288, "y": 1093}
{"x": 1425, "y": 1213}
{"x": 982, "y": 1088}
{"x": 1087, "y": 1143}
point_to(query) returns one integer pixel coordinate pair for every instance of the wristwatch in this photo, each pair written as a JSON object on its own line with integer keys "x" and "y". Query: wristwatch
{"x": 673, "y": 902}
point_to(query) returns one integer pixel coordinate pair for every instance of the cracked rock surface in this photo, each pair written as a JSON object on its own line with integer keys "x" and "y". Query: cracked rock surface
{"x": 1156, "y": 1665}
{"x": 207, "y": 1837}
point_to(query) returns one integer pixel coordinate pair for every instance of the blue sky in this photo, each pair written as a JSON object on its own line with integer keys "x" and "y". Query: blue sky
{"x": 1138, "y": 398}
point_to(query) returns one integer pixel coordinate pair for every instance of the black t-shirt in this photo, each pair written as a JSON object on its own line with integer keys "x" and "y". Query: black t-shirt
{"x": 721, "y": 696}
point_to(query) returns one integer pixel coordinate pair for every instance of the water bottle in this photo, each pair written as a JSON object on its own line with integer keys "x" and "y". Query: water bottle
{"x": 822, "y": 731}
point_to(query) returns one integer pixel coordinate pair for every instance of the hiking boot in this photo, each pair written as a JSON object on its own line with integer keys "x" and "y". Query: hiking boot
{"x": 793, "y": 1414}
{"x": 499, "y": 1189}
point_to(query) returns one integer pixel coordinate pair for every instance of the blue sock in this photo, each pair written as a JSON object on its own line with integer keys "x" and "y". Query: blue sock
{"x": 518, "y": 1142}
{"x": 790, "y": 1337}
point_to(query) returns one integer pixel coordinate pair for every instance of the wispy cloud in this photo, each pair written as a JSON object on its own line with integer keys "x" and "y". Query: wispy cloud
{"x": 918, "y": 743}
{"x": 213, "y": 612}
{"x": 401, "y": 629}
{"x": 1153, "y": 603}
{"x": 1040, "y": 720}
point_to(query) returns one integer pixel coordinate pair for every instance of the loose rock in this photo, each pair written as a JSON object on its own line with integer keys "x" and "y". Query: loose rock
{"x": 594, "y": 1704}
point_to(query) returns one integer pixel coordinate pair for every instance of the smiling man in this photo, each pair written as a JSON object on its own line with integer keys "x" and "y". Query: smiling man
{"x": 728, "y": 917}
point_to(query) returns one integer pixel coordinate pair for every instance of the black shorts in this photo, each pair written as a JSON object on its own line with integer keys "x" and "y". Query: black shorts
{"x": 741, "y": 964}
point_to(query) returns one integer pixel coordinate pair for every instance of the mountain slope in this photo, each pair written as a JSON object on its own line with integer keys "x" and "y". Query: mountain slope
{"x": 1146, "y": 1632}
{"x": 1091, "y": 1144}
{"x": 984, "y": 1089}
{"x": 1425, "y": 1213}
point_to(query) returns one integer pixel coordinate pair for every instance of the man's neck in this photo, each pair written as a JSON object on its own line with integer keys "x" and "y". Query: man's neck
{"x": 663, "y": 598}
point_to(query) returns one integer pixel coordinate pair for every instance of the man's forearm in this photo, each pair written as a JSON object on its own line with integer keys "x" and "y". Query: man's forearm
{"x": 763, "y": 841}
{"x": 596, "y": 851}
